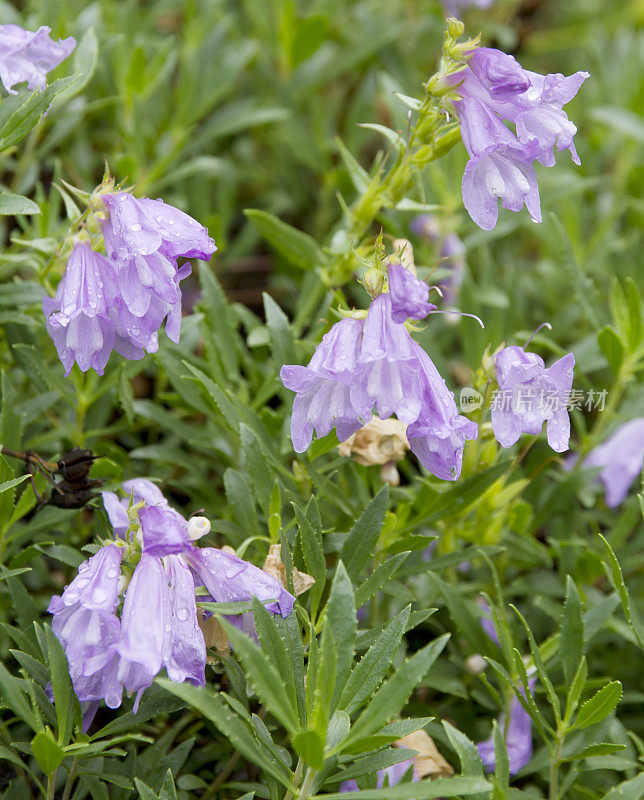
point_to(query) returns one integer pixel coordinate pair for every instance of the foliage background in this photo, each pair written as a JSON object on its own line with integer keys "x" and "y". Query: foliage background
{"x": 219, "y": 107}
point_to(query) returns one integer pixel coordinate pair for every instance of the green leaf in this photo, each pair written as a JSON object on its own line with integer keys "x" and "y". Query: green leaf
{"x": 20, "y": 113}
{"x": 635, "y": 327}
{"x": 273, "y": 645}
{"x": 313, "y": 557}
{"x": 612, "y": 347}
{"x": 572, "y": 631}
{"x": 374, "y": 664}
{"x": 424, "y": 790}
{"x": 627, "y": 790}
{"x": 61, "y": 685}
{"x": 467, "y": 753}
{"x": 309, "y": 746}
{"x": 379, "y": 577}
{"x": 297, "y": 247}
{"x": 281, "y": 335}
{"x": 16, "y": 204}
{"x": 614, "y": 572}
{"x": 264, "y": 677}
{"x": 363, "y": 536}
{"x": 241, "y": 499}
{"x": 594, "y": 750}
{"x": 47, "y": 752}
{"x": 576, "y": 688}
{"x": 13, "y": 698}
{"x": 464, "y": 618}
{"x": 600, "y": 705}
{"x": 501, "y": 760}
{"x": 394, "y": 693}
{"x": 206, "y": 702}
{"x": 340, "y": 612}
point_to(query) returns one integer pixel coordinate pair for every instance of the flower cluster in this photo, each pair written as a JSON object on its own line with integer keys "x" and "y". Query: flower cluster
{"x": 120, "y": 300}
{"x": 29, "y": 56}
{"x": 373, "y": 364}
{"x": 494, "y": 88}
{"x": 532, "y": 395}
{"x": 158, "y": 626}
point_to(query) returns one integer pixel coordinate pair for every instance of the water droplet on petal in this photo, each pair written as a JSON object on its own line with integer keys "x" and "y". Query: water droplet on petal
{"x": 99, "y": 595}
{"x": 182, "y": 614}
{"x": 135, "y": 227}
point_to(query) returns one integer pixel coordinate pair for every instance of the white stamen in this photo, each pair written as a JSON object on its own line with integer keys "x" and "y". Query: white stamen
{"x": 198, "y": 527}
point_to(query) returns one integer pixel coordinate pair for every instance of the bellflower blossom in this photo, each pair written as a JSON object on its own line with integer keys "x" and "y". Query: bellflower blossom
{"x": 494, "y": 88}
{"x": 30, "y": 55}
{"x": 620, "y": 458}
{"x": 120, "y": 301}
{"x": 393, "y": 773}
{"x": 409, "y": 296}
{"x": 373, "y": 365}
{"x": 455, "y": 7}
{"x": 452, "y": 257}
{"x": 518, "y": 737}
{"x": 529, "y": 395}
{"x": 158, "y": 626}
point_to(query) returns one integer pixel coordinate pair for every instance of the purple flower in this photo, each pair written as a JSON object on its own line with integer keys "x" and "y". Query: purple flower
{"x": 544, "y": 119}
{"x": 164, "y": 531}
{"x": 409, "y": 296}
{"x": 360, "y": 367}
{"x": 456, "y": 7}
{"x": 145, "y": 625}
{"x": 144, "y": 238}
{"x": 620, "y": 458}
{"x": 77, "y": 317}
{"x": 323, "y": 399}
{"x": 486, "y": 620}
{"x": 438, "y": 436}
{"x": 393, "y": 773}
{"x": 518, "y": 737}
{"x": 499, "y": 167}
{"x": 452, "y": 257}
{"x": 229, "y": 579}
{"x": 87, "y": 627}
{"x": 529, "y": 394}
{"x": 186, "y": 658}
{"x": 494, "y": 87}
{"x": 29, "y": 56}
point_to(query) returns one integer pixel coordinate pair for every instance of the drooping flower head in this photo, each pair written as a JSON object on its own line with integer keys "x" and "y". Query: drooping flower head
{"x": 409, "y": 296}
{"x": 362, "y": 367}
{"x": 158, "y": 626}
{"x": 529, "y": 395}
{"x": 77, "y": 317}
{"x": 518, "y": 737}
{"x": 494, "y": 88}
{"x": 393, "y": 774}
{"x": 620, "y": 457}
{"x": 452, "y": 257}
{"x": 30, "y": 55}
{"x": 121, "y": 300}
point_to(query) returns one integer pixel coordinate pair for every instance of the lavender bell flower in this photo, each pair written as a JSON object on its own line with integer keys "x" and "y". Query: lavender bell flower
{"x": 231, "y": 579}
{"x": 529, "y": 394}
{"x": 620, "y": 458}
{"x": 87, "y": 627}
{"x": 499, "y": 167}
{"x": 494, "y": 87}
{"x": 144, "y": 238}
{"x": 455, "y": 7}
{"x": 518, "y": 737}
{"x": 186, "y": 658}
{"x": 29, "y": 56}
{"x": 409, "y": 296}
{"x": 393, "y": 773}
{"x": 77, "y": 317}
{"x": 452, "y": 257}
{"x": 324, "y": 387}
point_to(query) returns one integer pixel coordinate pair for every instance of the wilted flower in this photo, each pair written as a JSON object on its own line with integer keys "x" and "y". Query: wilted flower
{"x": 30, "y": 55}
{"x": 380, "y": 441}
{"x": 274, "y": 566}
{"x": 375, "y": 366}
{"x": 529, "y": 394}
{"x": 428, "y": 760}
{"x": 518, "y": 737}
{"x": 620, "y": 458}
{"x": 494, "y": 87}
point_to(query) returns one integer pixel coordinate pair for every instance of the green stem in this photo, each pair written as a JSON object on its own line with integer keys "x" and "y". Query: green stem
{"x": 553, "y": 794}
{"x": 70, "y": 779}
{"x": 307, "y": 783}
{"x": 223, "y": 776}
{"x": 51, "y": 783}
{"x": 298, "y": 776}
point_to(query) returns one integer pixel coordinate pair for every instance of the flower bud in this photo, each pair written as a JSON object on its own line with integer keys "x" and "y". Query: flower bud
{"x": 373, "y": 281}
{"x": 475, "y": 664}
{"x": 455, "y": 27}
{"x": 198, "y": 527}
